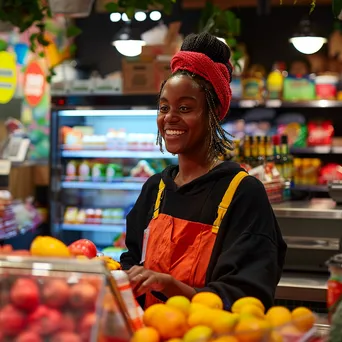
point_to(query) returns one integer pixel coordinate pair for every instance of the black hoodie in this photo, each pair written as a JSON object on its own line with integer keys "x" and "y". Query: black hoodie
{"x": 248, "y": 255}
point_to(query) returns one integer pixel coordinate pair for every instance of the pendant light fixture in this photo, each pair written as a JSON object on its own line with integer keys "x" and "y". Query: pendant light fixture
{"x": 127, "y": 43}
{"x": 306, "y": 40}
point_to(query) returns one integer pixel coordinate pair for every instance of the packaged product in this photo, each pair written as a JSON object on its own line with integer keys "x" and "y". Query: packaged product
{"x": 70, "y": 215}
{"x": 84, "y": 171}
{"x": 320, "y": 133}
{"x": 98, "y": 172}
{"x": 71, "y": 170}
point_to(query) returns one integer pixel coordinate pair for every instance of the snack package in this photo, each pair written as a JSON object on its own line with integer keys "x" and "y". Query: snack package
{"x": 296, "y": 133}
{"x": 320, "y": 133}
{"x": 330, "y": 172}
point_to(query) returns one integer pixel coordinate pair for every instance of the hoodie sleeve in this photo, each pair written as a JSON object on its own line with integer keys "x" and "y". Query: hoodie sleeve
{"x": 249, "y": 252}
{"x": 137, "y": 221}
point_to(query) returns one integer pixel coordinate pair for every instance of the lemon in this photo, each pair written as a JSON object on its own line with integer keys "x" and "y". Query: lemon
{"x": 179, "y": 302}
{"x": 200, "y": 333}
{"x": 208, "y": 299}
{"x": 240, "y": 303}
{"x": 194, "y": 307}
{"x": 47, "y": 246}
{"x": 223, "y": 323}
{"x": 253, "y": 310}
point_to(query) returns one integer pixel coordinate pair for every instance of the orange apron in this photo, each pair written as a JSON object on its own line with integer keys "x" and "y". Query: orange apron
{"x": 183, "y": 248}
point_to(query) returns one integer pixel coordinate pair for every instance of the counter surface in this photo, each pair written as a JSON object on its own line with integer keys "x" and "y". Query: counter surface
{"x": 303, "y": 287}
{"x": 316, "y": 208}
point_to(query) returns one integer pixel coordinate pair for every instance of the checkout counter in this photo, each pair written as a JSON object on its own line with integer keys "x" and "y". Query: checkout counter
{"x": 313, "y": 232}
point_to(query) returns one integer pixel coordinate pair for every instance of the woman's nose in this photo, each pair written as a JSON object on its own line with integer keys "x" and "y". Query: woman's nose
{"x": 171, "y": 116}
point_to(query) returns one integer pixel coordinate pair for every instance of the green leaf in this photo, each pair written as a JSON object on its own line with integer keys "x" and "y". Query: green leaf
{"x": 41, "y": 54}
{"x": 73, "y": 31}
{"x": 130, "y": 12}
{"x": 112, "y": 7}
{"x": 3, "y": 45}
{"x": 72, "y": 49}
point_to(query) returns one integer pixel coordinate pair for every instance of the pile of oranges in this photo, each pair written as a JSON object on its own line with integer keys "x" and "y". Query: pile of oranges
{"x": 204, "y": 320}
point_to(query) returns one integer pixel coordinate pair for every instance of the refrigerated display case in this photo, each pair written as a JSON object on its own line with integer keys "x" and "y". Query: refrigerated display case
{"x": 55, "y": 300}
{"x": 101, "y": 155}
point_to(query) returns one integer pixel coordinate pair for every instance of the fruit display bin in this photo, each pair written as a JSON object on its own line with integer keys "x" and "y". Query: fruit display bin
{"x": 60, "y": 300}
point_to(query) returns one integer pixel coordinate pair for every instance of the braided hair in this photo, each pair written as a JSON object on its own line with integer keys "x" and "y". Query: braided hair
{"x": 219, "y": 52}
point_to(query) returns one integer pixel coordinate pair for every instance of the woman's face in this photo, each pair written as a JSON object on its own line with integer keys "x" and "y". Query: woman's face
{"x": 182, "y": 118}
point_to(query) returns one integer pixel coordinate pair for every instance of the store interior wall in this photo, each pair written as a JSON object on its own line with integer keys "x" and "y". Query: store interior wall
{"x": 266, "y": 36}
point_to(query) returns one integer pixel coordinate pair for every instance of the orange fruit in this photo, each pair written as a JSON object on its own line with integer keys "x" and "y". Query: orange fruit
{"x": 278, "y": 316}
{"x": 175, "y": 340}
{"x": 179, "y": 302}
{"x": 194, "y": 307}
{"x": 208, "y": 299}
{"x": 146, "y": 334}
{"x": 275, "y": 337}
{"x": 169, "y": 322}
{"x": 240, "y": 303}
{"x": 48, "y": 246}
{"x": 149, "y": 312}
{"x": 303, "y": 319}
{"x": 252, "y": 330}
{"x": 226, "y": 339}
{"x": 253, "y": 310}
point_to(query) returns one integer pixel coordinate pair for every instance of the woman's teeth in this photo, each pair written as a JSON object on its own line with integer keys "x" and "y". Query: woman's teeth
{"x": 174, "y": 132}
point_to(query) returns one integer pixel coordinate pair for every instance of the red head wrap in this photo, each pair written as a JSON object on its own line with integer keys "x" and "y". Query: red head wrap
{"x": 215, "y": 73}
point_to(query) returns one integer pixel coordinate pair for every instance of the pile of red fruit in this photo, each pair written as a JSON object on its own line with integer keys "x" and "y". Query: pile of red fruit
{"x": 47, "y": 309}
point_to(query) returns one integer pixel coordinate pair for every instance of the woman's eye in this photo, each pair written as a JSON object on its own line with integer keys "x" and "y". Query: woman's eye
{"x": 163, "y": 109}
{"x": 184, "y": 109}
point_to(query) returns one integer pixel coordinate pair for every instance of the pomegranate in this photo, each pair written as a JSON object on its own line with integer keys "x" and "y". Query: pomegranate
{"x": 25, "y": 294}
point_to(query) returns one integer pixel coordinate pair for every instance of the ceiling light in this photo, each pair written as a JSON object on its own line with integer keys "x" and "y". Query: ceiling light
{"x": 155, "y": 15}
{"x": 306, "y": 40}
{"x": 308, "y": 45}
{"x": 127, "y": 44}
{"x": 140, "y": 16}
{"x": 124, "y": 17}
{"x": 115, "y": 17}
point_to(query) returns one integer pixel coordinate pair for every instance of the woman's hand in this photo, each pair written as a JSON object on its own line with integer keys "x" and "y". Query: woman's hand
{"x": 143, "y": 280}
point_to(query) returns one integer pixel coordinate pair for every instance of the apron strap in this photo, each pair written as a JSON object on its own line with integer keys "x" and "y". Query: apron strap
{"x": 227, "y": 198}
{"x": 158, "y": 200}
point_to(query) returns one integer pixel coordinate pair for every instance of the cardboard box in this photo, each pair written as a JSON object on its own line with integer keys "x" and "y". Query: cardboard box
{"x": 163, "y": 72}
{"x": 138, "y": 77}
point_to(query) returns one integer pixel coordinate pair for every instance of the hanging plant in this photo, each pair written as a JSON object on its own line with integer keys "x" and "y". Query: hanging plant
{"x": 222, "y": 24}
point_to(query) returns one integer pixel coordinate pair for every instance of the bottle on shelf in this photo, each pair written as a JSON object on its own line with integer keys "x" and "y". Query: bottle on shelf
{"x": 261, "y": 150}
{"x": 269, "y": 149}
{"x": 277, "y": 154}
{"x": 247, "y": 149}
{"x": 236, "y": 152}
{"x": 287, "y": 159}
{"x": 275, "y": 81}
{"x": 254, "y": 152}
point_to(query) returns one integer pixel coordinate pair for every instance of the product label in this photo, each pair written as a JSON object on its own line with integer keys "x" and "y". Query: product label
{"x": 145, "y": 241}
{"x": 334, "y": 295}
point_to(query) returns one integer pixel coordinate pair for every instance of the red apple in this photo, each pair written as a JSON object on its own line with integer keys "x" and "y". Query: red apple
{"x": 83, "y": 296}
{"x": 44, "y": 321}
{"x": 68, "y": 323}
{"x": 55, "y": 293}
{"x": 66, "y": 337}
{"x": 28, "y": 336}
{"x": 12, "y": 321}
{"x": 86, "y": 325}
{"x": 83, "y": 247}
{"x": 25, "y": 294}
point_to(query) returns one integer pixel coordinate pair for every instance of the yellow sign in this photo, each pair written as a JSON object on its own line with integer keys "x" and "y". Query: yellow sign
{"x": 8, "y": 76}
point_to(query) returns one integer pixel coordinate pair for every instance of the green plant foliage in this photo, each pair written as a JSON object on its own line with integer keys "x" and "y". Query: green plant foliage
{"x": 337, "y": 8}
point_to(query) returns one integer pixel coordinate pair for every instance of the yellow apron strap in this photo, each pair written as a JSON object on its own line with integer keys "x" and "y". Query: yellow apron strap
{"x": 227, "y": 198}
{"x": 158, "y": 200}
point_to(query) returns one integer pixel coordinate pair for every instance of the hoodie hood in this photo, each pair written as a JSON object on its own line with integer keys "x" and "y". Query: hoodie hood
{"x": 226, "y": 169}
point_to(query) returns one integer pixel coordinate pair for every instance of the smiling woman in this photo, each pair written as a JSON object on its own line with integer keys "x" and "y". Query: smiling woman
{"x": 204, "y": 225}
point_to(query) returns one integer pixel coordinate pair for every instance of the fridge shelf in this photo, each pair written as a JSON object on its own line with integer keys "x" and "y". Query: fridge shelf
{"x": 116, "y": 154}
{"x": 111, "y": 228}
{"x": 130, "y": 186}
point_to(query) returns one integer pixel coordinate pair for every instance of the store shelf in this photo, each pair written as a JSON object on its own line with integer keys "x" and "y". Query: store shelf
{"x": 116, "y": 154}
{"x": 137, "y": 186}
{"x": 111, "y": 228}
{"x": 315, "y": 150}
{"x": 314, "y": 209}
{"x": 311, "y": 188}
